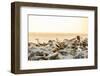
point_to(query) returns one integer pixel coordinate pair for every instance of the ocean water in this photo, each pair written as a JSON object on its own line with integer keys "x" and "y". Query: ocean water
{"x": 44, "y": 37}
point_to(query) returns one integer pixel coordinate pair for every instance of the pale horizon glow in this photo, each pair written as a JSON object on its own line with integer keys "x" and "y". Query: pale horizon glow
{"x": 53, "y": 24}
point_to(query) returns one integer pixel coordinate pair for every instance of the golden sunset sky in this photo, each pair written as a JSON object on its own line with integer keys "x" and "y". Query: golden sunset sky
{"x": 53, "y": 24}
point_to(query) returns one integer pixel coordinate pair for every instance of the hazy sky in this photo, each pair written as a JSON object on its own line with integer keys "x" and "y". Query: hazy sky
{"x": 58, "y": 24}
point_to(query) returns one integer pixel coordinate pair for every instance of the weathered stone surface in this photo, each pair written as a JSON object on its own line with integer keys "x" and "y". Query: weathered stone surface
{"x": 74, "y": 48}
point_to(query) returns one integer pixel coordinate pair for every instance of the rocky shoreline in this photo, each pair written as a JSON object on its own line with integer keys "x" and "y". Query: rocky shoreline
{"x": 75, "y": 48}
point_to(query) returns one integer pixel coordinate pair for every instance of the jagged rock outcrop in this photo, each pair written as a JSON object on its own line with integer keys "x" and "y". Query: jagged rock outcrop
{"x": 74, "y": 48}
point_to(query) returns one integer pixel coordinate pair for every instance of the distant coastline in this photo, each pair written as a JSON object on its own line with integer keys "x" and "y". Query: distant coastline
{"x": 58, "y": 33}
{"x": 44, "y": 37}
